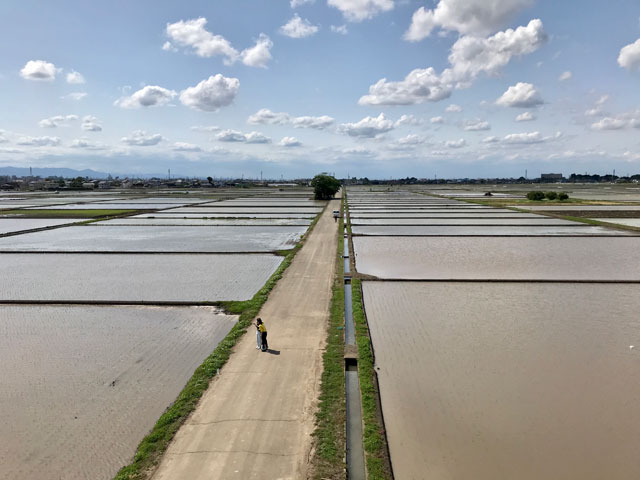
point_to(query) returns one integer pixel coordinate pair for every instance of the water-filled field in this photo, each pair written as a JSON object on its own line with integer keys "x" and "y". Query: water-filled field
{"x": 8, "y": 225}
{"x": 170, "y": 214}
{"x": 82, "y": 385}
{"x": 480, "y": 230}
{"x": 522, "y": 381}
{"x": 513, "y": 258}
{"x": 245, "y": 210}
{"x": 133, "y": 278}
{"x": 156, "y": 239}
{"x": 523, "y": 221}
{"x": 629, "y": 222}
{"x": 489, "y": 213}
{"x": 185, "y": 222}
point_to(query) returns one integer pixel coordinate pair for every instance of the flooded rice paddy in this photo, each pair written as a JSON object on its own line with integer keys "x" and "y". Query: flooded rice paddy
{"x": 87, "y": 369}
{"x": 526, "y": 372}
{"x": 494, "y": 258}
{"x": 521, "y": 381}
{"x": 81, "y": 385}
{"x": 157, "y": 239}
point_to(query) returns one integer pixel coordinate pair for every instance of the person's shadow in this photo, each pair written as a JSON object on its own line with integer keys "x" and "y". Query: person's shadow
{"x": 273, "y": 352}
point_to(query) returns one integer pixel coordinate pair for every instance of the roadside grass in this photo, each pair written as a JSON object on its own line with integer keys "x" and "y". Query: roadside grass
{"x": 62, "y": 213}
{"x": 374, "y": 439}
{"x": 153, "y": 446}
{"x": 330, "y": 434}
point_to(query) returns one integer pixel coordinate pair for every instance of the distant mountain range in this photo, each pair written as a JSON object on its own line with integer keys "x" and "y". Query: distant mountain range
{"x": 70, "y": 173}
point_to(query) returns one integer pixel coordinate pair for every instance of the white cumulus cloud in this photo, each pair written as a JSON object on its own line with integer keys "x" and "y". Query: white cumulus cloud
{"x": 205, "y": 128}
{"x": 341, "y": 29}
{"x": 469, "y": 57}
{"x": 319, "y": 123}
{"x": 522, "y": 95}
{"x": 358, "y": 10}
{"x": 525, "y": 117}
{"x": 368, "y": 127}
{"x": 456, "y": 143}
{"x": 140, "y": 138}
{"x": 39, "y": 70}
{"x": 260, "y": 54}
{"x": 298, "y": 3}
{"x": 268, "y": 117}
{"x": 87, "y": 144}
{"x": 298, "y": 28}
{"x": 239, "y": 137}
{"x": 39, "y": 141}
{"x": 211, "y": 94}
{"x": 74, "y": 77}
{"x": 256, "y": 137}
{"x": 476, "y": 125}
{"x": 478, "y": 17}
{"x": 77, "y": 96}
{"x": 408, "y": 120}
{"x": 530, "y": 137}
{"x": 57, "y": 121}
{"x": 289, "y": 142}
{"x": 91, "y": 124}
{"x": 610, "y": 123}
{"x": 149, "y": 96}
{"x": 629, "y": 56}
{"x": 436, "y": 120}
{"x": 193, "y": 34}
{"x": 453, "y": 108}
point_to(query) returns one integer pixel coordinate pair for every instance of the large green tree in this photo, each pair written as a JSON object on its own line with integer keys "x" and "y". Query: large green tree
{"x": 324, "y": 186}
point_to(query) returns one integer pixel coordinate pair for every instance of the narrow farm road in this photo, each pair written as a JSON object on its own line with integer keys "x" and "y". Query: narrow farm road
{"x": 255, "y": 420}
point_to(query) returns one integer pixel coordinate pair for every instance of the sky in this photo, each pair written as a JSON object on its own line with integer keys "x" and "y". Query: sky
{"x": 291, "y": 88}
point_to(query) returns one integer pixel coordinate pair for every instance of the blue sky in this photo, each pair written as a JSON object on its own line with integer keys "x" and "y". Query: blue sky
{"x": 377, "y": 88}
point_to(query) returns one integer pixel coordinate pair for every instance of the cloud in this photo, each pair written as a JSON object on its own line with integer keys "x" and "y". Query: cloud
{"x": 140, "y": 138}
{"x": 341, "y": 29}
{"x": 90, "y": 124}
{"x": 319, "y": 123}
{"x": 368, "y": 127}
{"x": 185, "y": 147}
{"x": 267, "y": 117}
{"x": 478, "y": 17}
{"x": 205, "y": 128}
{"x": 57, "y": 121}
{"x": 77, "y": 96}
{"x": 192, "y": 34}
{"x": 298, "y": 3}
{"x": 87, "y": 144}
{"x": 211, "y": 94}
{"x": 455, "y": 143}
{"x": 565, "y": 76}
{"x": 239, "y": 137}
{"x": 298, "y": 28}
{"x": 256, "y": 137}
{"x": 436, "y": 120}
{"x": 39, "y": 141}
{"x": 39, "y": 70}
{"x": 358, "y": 10}
{"x": 408, "y": 120}
{"x": 611, "y": 123}
{"x": 469, "y": 57}
{"x": 525, "y": 117}
{"x": 258, "y": 55}
{"x": 476, "y": 125}
{"x": 522, "y": 95}
{"x": 74, "y": 77}
{"x": 490, "y": 140}
{"x": 149, "y": 96}
{"x": 289, "y": 142}
{"x": 629, "y": 57}
{"x": 453, "y": 108}
{"x": 531, "y": 137}
{"x": 411, "y": 140}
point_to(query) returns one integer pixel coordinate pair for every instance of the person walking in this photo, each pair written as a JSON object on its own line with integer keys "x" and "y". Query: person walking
{"x": 263, "y": 331}
{"x": 258, "y": 334}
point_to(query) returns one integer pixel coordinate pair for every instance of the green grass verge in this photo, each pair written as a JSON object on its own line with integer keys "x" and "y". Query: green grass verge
{"x": 155, "y": 443}
{"x": 62, "y": 213}
{"x": 330, "y": 432}
{"x": 374, "y": 440}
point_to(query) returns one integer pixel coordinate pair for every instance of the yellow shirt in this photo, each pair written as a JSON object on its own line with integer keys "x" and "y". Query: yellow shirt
{"x": 262, "y": 327}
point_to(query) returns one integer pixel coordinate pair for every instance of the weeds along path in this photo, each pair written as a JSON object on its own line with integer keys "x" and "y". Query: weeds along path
{"x": 256, "y": 418}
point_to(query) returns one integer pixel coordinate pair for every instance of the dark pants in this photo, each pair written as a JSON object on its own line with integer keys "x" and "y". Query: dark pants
{"x": 265, "y": 345}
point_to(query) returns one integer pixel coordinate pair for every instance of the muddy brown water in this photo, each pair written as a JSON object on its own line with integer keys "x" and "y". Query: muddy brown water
{"x": 508, "y": 381}
{"x": 82, "y": 385}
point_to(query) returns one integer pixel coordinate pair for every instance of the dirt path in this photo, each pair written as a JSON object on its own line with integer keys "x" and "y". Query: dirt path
{"x": 256, "y": 418}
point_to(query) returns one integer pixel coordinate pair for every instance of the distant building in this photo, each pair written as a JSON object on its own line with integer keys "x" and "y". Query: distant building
{"x": 551, "y": 177}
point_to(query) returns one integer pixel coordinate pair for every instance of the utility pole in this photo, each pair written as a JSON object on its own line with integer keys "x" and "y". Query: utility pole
{"x": 169, "y": 173}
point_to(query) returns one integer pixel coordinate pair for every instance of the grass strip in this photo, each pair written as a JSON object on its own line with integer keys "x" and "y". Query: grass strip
{"x": 62, "y": 213}
{"x": 374, "y": 439}
{"x": 153, "y": 446}
{"x": 330, "y": 431}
